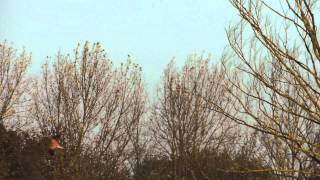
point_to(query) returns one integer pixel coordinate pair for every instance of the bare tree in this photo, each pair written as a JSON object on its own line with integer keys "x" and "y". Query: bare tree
{"x": 95, "y": 107}
{"x": 13, "y": 68}
{"x": 276, "y": 84}
{"x": 183, "y": 123}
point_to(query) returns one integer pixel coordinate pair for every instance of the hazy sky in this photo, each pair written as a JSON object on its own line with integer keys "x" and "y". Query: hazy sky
{"x": 151, "y": 31}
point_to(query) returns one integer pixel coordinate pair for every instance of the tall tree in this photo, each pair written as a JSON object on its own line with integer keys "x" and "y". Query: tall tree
{"x": 276, "y": 84}
{"x": 183, "y": 124}
{"x": 13, "y": 84}
{"x": 95, "y": 107}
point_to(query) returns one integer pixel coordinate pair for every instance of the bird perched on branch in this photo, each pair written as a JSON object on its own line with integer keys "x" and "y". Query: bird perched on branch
{"x": 54, "y": 144}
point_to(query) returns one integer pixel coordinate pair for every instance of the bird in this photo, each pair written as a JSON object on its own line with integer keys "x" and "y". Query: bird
{"x": 54, "y": 145}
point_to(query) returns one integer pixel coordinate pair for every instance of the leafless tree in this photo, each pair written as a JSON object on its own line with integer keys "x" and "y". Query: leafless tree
{"x": 96, "y": 108}
{"x": 276, "y": 83}
{"x": 13, "y": 69}
{"x": 183, "y": 123}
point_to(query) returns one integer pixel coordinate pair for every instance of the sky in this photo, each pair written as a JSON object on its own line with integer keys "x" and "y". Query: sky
{"x": 151, "y": 31}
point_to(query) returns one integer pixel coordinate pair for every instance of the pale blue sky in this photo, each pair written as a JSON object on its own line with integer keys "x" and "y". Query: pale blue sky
{"x": 151, "y": 31}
